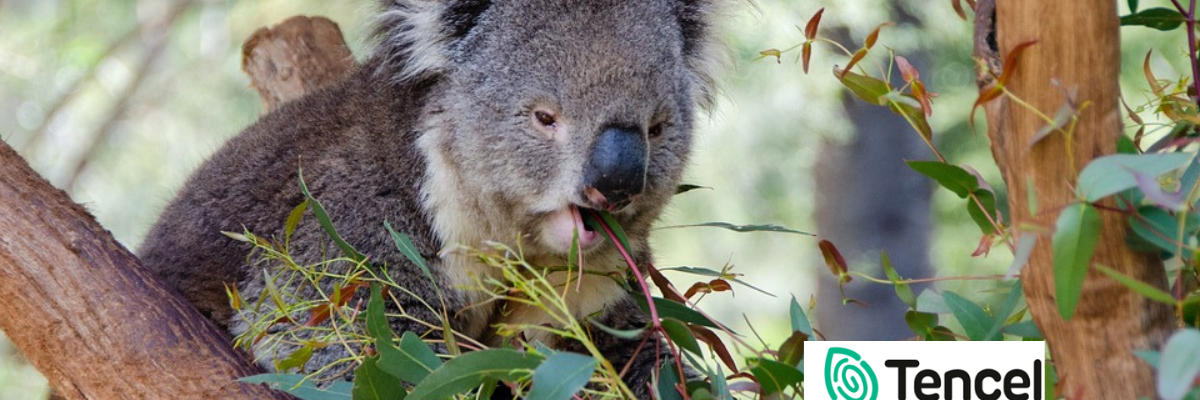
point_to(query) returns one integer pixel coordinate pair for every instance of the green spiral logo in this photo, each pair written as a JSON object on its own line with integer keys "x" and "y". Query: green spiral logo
{"x": 848, "y": 377}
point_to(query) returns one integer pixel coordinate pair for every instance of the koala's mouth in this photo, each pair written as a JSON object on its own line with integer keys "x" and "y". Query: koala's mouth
{"x": 560, "y": 227}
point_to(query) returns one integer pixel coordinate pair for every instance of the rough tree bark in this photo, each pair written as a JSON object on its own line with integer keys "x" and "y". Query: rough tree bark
{"x": 300, "y": 55}
{"x": 82, "y": 308}
{"x": 1077, "y": 45}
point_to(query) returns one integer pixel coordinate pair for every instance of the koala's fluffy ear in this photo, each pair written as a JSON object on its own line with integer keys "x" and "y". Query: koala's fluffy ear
{"x": 701, "y": 45}
{"x": 415, "y": 35}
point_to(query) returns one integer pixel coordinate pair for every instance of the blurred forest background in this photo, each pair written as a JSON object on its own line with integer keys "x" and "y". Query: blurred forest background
{"x": 116, "y": 102}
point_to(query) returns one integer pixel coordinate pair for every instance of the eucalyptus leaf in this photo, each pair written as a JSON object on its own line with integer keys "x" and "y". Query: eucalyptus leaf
{"x": 667, "y": 308}
{"x": 561, "y": 376}
{"x": 1159, "y": 18}
{"x": 371, "y": 383}
{"x": 973, "y": 319}
{"x": 774, "y": 376}
{"x": 470, "y": 370}
{"x": 681, "y": 335}
{"x": 1075, "y": 236}
{"x": 799, "y": 319}
{"x": 949, "y": 176}
{"x": 903, "y": 290}
{"x": 1110, "y": 174}
{"x": 297, "y": 385}
{"x": 742, "y": 228}
{"x": 1179, "y": 365}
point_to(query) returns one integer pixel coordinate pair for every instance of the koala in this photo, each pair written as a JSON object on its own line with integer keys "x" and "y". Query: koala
{"x": 472, "y": 122}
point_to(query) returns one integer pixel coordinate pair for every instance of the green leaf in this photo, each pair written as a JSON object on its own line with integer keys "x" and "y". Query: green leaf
{"x": 1150, "y": 356}
{"x": 799, "y": 320}
{"x": 681, "y": 335}
{"x": 914, "y": 116}
{"x": 1112, "y": 173}
{"x": 792, "y": 349}
{"x": 1133, "y": 5}
{"x": 1142, "y": 288}
{"x": 293, "y": 220}
{"x": 670, "y": 309}
{"x": 903, "y": 291}
{"x": 1125, "y": 145}
{"x": 931, "y": 302}
{"x": 973, "y": 319}
{"x": 867, "y": 88}
{"x": 371, "y": 383}
{"x": 470, "y": 370}
{"x": 323, "y": 218}
{"x": 952, "y": 177}
{"x": 406, "y": 247}
{"x": 668, "y": 378}
{"x": 1160, "y": 18}
{"x": 742, "y": 228}
{"x": 295, "y": 360}
{"x": 620, "y": 333}
{"x": 1001, "y": 315}
{"x": 1075, "y": 235}
{"x": 606, "y": 220}
{"x": 921, "y": 323}
{"x": 716, "y": 274}
{"x": 561, "y": 376}
{"x": 980, "y": 215}
{"x": 1160, "y": 229}
{"x": 1179, "y": 365}
{"x": 774, "y": 376}
{"x": 1024, "y": 329}
{"x": 413, "y": 360}
{"x": 297, "y": 385}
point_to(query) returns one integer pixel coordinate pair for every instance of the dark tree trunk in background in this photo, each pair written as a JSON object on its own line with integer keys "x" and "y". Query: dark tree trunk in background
{"x": 868, "y": 200}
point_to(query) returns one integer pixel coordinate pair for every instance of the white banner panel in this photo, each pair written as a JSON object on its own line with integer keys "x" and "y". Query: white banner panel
{"x": 924, "y": 370}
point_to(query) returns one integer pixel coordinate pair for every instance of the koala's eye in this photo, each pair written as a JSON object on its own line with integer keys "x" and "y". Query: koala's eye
{"x": 545, "y": 119}
{"x": 655, "y": 131}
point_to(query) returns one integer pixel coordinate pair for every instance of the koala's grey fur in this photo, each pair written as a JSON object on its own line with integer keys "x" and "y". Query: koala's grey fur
{"x": 435, "y": 133}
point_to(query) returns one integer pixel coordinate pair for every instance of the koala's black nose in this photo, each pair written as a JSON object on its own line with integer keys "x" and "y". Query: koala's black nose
{"x": 617, "y": 168}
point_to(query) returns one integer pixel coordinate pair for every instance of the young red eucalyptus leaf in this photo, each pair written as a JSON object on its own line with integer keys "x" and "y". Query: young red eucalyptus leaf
{"x": 985, "y": 246}
{"x": 834, "y": 260}
{"x": 996, "y": 89}
{"x": 874, "y": 35}
{"x": 810, "y": 29}
{"x": 958, "y": 9}
{"x": 858, "y": 56}
{"x": 668, "y": 290}
{"x": 805, "y": 55}
{"x": 913, "y": 78}
{"x": 715, "y": 345}
{"x": 862, "y": 52}
{"x": 907, "y": 71}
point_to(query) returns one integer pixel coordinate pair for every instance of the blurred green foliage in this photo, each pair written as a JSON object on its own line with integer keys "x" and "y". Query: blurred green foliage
{"x": 118, "y": 101}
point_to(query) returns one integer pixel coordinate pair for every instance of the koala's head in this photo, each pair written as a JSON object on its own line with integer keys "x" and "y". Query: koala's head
{"x": 544, "y": 109}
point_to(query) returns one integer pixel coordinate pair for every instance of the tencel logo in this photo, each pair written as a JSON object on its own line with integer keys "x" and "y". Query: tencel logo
{"x": 848, "y": 377}
{"x": 924, "y": 370}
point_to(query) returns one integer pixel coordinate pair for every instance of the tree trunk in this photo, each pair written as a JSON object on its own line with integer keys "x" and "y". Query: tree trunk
{"x": 868, "y": 200}
{"x": 1077, "y": 45}
{"x": 82, "y": 308}
{"x": 90, "y": 317}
